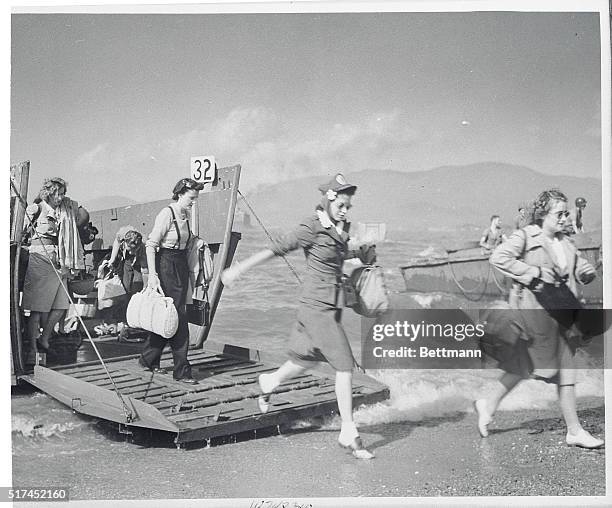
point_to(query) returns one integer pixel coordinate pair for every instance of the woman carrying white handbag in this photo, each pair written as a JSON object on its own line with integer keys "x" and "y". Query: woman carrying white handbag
{"x": 166, "y": 251}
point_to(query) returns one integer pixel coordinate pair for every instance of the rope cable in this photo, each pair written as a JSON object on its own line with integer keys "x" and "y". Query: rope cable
{"x": 293, "y": 270}
{"x": 464, "y": 291}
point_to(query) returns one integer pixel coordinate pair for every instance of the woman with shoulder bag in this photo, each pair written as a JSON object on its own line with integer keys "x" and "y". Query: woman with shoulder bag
{"x": 318, "y": 334}
{"x": 547, "y": 268}
{"x": 166, "y": 252}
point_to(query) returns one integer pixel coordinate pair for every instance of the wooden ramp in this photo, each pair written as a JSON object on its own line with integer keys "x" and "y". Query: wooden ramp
{"x": 224, "y": 403}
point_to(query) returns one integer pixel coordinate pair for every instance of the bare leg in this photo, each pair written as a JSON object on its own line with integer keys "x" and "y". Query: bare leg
{"x": 506, "y": 383}
{"x": 33, "y": 329}
{"x": 62, "y": 322}
{"x": 268, "y": 382}
{"x": 576, "y": 435}
{"x": 54, "y": 316}
{"x": 288, "y": 370}
{"x": 567, "y": 401}
{"x": 485, "y": 408}
{"x": 344, "y": 394}
{"x": 349, "y": 435}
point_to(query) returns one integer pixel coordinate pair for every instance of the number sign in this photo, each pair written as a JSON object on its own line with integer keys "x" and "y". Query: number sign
{"x": 203, "y": 168}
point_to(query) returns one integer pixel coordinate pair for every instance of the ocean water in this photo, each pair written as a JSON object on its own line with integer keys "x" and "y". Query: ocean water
{"x": 259, "y": 312}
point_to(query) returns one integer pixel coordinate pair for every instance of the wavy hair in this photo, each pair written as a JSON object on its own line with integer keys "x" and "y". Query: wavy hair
{"x": 52, "y": 186}
{"x": 543, "y": 204}
{"x": 184, "y": 185}
{"x": 132, "y": 238}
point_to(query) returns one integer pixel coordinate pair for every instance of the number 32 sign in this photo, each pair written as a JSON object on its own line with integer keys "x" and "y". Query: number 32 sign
{"x": 203, "y": 168}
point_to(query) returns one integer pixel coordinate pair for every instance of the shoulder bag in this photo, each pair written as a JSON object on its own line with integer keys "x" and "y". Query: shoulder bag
{"x": 370, "y": 293}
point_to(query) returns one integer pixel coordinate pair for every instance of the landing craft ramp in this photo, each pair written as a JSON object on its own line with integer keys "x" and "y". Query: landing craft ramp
{"x": 224, "y": 403}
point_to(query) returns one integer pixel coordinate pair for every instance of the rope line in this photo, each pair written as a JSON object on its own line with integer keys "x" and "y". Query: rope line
{"x": 129, "y": 414}
{"x": 293, "y": 270}
{"x": 499, "y": 286}
{"x": 464, "y": 291}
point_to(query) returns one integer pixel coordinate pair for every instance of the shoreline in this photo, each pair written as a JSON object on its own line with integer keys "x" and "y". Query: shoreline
{"x": 525, "y": 455}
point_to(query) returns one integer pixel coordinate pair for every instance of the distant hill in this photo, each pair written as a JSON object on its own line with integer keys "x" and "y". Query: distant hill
{"x": 440, "y": 199}
{"x": 104, "y": 202}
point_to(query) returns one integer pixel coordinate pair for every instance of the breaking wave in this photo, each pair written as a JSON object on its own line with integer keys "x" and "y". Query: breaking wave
{"x": 26, "y": 426}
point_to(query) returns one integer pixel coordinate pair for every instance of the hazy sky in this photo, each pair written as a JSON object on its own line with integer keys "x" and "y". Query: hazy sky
{"x": 117, "y": 104}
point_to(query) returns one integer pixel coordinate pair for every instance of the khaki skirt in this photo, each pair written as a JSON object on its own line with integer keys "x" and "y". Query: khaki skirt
{"x": 42, "y": 291}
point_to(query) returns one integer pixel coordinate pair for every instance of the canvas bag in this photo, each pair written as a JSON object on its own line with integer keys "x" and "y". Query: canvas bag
{"x": 153, "y": 311}
{"x": 371, "y": 298}
{"x": 109, "y": 289}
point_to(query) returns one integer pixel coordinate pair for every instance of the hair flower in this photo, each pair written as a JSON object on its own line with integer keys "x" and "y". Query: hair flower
{"x": 331, "y": 194}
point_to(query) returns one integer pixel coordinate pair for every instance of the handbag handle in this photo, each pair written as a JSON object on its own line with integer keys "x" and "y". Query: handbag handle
{"x": 149, "y": 289}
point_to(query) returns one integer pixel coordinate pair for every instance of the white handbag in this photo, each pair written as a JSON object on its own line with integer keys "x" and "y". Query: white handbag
{"x": 153, "y": 311}
{"x": 109, "y": 288}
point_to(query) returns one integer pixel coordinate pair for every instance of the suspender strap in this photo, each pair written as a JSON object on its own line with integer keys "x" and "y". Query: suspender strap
{"x": 178, "y": 233}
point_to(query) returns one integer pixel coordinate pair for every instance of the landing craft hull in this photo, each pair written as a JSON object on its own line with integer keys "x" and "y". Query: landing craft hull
{"x": 468, "y": 274}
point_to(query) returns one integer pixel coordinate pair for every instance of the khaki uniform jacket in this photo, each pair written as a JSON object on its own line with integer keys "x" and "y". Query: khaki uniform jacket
{"x": 521, "y": 257}
{"x": 325, "y": 250}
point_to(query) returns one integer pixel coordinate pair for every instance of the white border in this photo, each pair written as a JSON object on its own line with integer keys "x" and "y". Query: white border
{"x": 606, "y": 210}
{"x": 305, "y": 6}
{"x": 316, "y": 6}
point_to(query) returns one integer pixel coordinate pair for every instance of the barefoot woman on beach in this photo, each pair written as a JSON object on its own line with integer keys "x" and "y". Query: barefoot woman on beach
{"x": 547, "y": 268}
{"x": 318, "y": 334}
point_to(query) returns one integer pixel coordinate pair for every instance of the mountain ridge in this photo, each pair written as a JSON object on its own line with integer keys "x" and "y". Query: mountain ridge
{"x": 442, "y": 198}
{"x": 446, "y": 196}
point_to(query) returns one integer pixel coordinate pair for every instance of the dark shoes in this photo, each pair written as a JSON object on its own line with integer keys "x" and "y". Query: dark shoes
{"x": 160, "y": 370}
{"x": 154, "y": 370}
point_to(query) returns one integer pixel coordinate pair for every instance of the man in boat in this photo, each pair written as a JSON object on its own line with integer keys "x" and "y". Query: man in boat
{"x": 575, "y": 223}
{"x": 492, "y": 236}
{"x": 520, "y": 221}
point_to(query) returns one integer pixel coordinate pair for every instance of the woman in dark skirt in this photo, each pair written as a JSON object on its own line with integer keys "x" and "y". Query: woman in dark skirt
{"x": 546, "y": 268}
{"x": 166, "y": 251}
{"x": 318, "y": 334}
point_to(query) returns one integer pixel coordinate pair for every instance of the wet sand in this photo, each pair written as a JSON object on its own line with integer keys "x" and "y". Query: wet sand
{"x": 525, "y": 455}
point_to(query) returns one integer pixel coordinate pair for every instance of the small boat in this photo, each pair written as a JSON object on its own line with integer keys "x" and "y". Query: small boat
{"x": 466, "y": 272}
{"x": 103, "y": 379}
{"x": 370, "y": 232}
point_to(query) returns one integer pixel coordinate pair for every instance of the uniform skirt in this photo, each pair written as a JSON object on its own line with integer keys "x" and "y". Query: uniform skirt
{"x": 318, "y": 336}
{"x": 42, "y": 291}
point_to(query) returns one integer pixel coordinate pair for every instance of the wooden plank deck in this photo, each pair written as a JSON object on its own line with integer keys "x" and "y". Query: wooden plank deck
{"x": 225, "y": 400}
